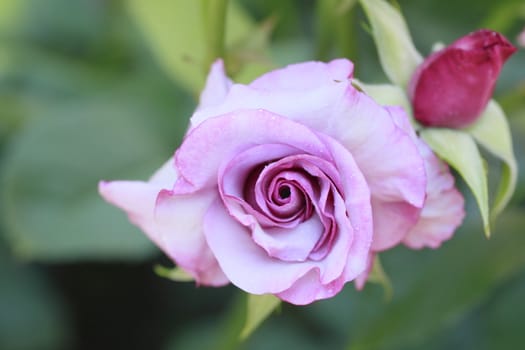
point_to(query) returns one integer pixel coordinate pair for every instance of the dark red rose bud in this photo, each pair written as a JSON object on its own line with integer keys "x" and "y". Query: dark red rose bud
{"x": 452, "y": 87}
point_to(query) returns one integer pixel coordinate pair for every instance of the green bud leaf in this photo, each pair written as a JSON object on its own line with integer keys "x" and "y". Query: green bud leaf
{"x": 258, "y": 309}
{"x": 175, "y": 274}
{"x": 492, "y": 131}
{"x": 399, "y": 58}
{"x": 459, "y": 150}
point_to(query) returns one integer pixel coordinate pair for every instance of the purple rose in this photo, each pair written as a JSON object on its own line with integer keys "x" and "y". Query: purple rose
{"x": 452, "y": 87}
{"x": 289, "y": 184}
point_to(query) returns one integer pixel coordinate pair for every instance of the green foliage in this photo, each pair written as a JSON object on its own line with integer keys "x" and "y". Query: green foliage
{"x": 51, "y": 208}
{"x": 397, "y": 53}
{"x": 175, "y": 274}
{"x": 460, "y": 151}
{"x": 33, "y": 316}
{"x": 259, "y": 307}
{"x": 175, "y": 32}
{"x": 492, "y": 131}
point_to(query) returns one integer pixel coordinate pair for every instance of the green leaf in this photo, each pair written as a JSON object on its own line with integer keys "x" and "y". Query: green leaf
{"x": 174, "y": 30}
{"x": 175, "y": 274}
{"x": 33, "y": 314}
{"x": 492, "y": 131}
{"x": 459, "y": 150}
{"x": 51, "y": 208}
{"x": 399, "y": 58}
{"x": 258, "y": 309}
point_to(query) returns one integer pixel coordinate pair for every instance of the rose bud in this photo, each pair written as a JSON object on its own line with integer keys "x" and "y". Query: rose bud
{"x": 453, "y": 86}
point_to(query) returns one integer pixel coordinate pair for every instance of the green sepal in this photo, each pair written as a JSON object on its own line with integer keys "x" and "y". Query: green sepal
{"x": 173, "y": 273}
{"x": 459, "y": 150}
{"x": 492, "y": 132}
{"x": 258, "y": 308}
{"x": 397, "y": 53}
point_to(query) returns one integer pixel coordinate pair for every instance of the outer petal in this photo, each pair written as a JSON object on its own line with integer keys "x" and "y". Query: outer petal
{"x": 217, "y": 86}
{"x": 137, "y": 198}
{"x": 444, "y": 207}
{"x": 361, "y": 280}
{"x": 304, "y": 91}
{"x": 179, "y": 220}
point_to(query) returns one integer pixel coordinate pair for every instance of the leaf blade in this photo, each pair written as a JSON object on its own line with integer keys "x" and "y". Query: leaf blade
{"x": 259, "y": 308}
{"x": 459, "y": 150}
{"x": 397, "y": 53}
{"x": 492, "y": 131}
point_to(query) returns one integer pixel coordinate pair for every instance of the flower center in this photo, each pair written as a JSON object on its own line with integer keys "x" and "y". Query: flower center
{"x": 284, "y": 191}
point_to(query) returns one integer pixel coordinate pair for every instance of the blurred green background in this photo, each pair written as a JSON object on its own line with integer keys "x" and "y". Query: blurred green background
{"x": 103, "y": 89}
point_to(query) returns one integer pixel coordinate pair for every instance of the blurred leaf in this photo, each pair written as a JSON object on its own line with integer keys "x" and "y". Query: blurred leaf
{"x": 459, "y": 150}
{"x": 52, "y": 210}
{"x": 457, "y": 278}
{"x": 9, "y": 14}
{"x": 33, "y": 316}
{"x": 174, "y": 30}
{"x": 175, "y": 274}
{"x": 258, "y": 309}
{"x": 399, "y": 58}
{"x": 492, "y": 131}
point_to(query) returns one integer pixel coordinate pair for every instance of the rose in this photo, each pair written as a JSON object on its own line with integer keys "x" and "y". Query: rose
{"x": 453, "y": 86}
{"x": 289, "y": 184}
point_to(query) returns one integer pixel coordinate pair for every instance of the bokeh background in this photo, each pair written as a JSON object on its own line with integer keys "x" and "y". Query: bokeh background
{"x": 103, "y": 89}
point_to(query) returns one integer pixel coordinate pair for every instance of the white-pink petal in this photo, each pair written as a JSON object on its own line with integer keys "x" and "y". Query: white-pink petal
{"x": 179, "y": 220}
{"x": 443, "y": 211}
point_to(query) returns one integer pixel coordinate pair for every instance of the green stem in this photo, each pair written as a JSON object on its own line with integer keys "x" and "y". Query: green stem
{"x": 214, "y": 22}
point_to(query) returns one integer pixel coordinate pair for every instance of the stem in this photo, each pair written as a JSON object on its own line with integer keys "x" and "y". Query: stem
{"x": 214, "y": 18}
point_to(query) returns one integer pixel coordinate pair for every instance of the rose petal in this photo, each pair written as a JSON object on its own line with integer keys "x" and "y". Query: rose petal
{"x": 290, "y": 244}
{"x": 302, "y": 92}
{"x": 304, "y": 76}
{"x": 137, "y": 198}
{"x": 179, "y": 220}
{"x": 217, "y": 86}
{"x": 444, "y": 207}
{"x": 209, "y": 145}
{"x": 392, "y": 222}
{"x": 361, "y": 280}
{"x": 308, "y": 289}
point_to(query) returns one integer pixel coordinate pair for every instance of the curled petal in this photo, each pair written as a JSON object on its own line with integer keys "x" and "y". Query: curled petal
{"x": 179, "y": 220}
{"x": 444, "y": 207}
{"x": 209, "y": 145}
{"x": 137, "y": 198}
